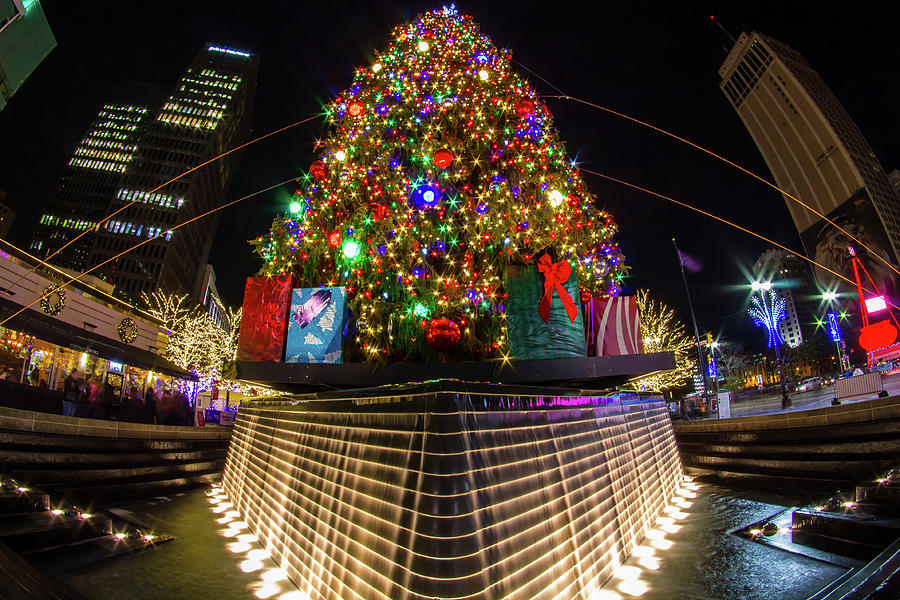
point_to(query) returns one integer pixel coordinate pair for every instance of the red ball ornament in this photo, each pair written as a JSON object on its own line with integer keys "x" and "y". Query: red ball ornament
{"x": 524, "y": 108}
{"x": 442, "y": 335}
{"x": 318, "y": 170}
{"x": 442, "y": 158}
{"x": 355, "y": 109}
{"x": 334, "y": 239}
{"x": 380, "y": 212}
{"x": 877, "y": 335}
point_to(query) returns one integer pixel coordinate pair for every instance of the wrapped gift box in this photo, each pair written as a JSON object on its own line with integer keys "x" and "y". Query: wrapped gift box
{"x": 316, "y": 325}
{"x": 612, "y": 326}
{"x": 530, "y": 336}
{"x": 264, "y": 320}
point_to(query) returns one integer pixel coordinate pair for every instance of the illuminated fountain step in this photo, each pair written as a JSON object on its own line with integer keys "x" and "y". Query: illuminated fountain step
{"x": 451, "y": 490}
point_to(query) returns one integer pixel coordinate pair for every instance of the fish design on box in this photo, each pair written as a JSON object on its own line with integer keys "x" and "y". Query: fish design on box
{"x": 312, "y": 308}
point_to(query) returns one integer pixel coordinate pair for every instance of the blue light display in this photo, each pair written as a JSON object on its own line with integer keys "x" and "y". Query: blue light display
{"x": 834, "y": 327}
{"x": 768, "y": 311}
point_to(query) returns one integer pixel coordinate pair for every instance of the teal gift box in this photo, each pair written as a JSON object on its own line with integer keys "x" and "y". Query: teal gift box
{"x": 530, "y": 336}
{"x": 316, "y": 325}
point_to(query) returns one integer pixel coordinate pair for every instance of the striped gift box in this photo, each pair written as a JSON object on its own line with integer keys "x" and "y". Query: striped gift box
{"x": 612, "y": 326}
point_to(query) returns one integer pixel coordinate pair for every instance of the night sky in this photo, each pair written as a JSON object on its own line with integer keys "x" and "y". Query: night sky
{"x": 656, "y": 62}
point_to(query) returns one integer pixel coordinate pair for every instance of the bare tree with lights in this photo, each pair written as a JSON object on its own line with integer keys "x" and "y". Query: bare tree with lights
{"x": 663, "y": 331}
{"x": 196, "y": 341}
{"x": 170, "y": 308}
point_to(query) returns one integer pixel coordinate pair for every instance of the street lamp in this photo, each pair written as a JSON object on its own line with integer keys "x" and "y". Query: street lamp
{"x": 768, "y": 310}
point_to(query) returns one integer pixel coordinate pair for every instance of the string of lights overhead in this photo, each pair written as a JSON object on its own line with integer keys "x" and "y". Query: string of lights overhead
{"x": 160, "y": 234}
{"x": 145, "y": 196}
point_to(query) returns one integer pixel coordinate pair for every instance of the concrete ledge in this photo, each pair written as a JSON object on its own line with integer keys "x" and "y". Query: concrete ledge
{"x": 858, "y": 412}
{"x": 25, "y": 420}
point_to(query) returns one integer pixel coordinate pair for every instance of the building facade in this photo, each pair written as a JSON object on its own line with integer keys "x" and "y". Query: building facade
{"x": 25, "y": 41}
{"x": 143, "y": 159}
{"x": 814, "y": 150}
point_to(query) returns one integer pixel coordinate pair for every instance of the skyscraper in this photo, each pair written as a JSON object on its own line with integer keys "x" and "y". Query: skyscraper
{"x": 140, "y": 141}
{"x": 93, "y": 175}
{"x": 813, "y": 149}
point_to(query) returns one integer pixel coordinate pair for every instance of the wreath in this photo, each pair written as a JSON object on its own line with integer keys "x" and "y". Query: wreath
{"x": 128, "y": 330}
{"x": 53, "y": 307}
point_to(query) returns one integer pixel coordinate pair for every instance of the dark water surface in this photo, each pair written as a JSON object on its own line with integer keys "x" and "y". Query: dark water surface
{"x": 704, "y": 562}
{"x": 698, "y": 561}
{"x": 206, "y": 559}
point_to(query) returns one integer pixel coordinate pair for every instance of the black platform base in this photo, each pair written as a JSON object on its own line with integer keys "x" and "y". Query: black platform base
{"x": 593, "y": 372}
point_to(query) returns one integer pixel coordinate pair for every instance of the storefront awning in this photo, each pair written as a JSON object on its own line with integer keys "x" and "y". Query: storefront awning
{"x": 63, "y": 334}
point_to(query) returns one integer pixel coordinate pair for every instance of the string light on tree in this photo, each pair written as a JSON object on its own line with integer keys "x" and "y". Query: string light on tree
{"x": 449, "y": 171}
{"x": 663, "y": 331}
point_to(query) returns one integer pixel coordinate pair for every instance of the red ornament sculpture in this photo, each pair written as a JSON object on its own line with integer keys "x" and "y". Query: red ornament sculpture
{"x": 877, "y": 335}
{"x": 318, "y": 170}
{"x": 442, "y": 335}
{"x": 443, "y": 158}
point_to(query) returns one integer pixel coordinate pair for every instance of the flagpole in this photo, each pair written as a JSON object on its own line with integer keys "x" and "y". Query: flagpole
{"x": 693, "y": 318}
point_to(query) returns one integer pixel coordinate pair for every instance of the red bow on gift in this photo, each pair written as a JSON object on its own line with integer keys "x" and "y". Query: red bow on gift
{"x": 555, "y": 274}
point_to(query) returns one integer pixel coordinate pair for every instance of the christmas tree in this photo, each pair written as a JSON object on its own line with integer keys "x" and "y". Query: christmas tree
{"x": 440, "y": 169}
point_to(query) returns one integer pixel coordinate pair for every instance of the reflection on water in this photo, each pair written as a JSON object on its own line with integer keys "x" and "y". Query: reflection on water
{"x": 213, "y": 556}
{"x": 687, "y": 556}
{"x": 700, "y": 560}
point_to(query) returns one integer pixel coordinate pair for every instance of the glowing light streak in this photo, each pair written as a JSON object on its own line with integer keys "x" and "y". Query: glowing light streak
{"x": 139, "y": 244}
{"x": 43, "y": 262}
{"x": 721, "y": 220}
{"x": 737, "y": 166}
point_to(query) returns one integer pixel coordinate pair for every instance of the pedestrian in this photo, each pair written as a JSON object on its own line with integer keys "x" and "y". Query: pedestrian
{"x": 70, "y": 393}
{"x": 35, "y": 376}
{"x": 83, "y": 403}
{"x": 101, "y": 401}
{"x": 150, "y": 415}
{"x": 187, "y": 412}
{"x": 169, "y": 407}
{"x": 3, "y": 373}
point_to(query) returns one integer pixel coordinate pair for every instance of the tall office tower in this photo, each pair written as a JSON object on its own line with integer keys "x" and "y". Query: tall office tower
{"x": 792, "y": 279}
{"x": 207, "y": 112}
{"x": 93, "y": 175}
{"x": 25, "y": 41}
{"x": 814, "y": 151}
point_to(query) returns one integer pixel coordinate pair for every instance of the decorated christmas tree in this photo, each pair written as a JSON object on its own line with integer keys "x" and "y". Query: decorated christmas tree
{"x": 440, "y": 171}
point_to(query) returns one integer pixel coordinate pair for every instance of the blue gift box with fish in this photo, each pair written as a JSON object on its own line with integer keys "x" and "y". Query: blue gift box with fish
{"x": 316, "y": 325}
